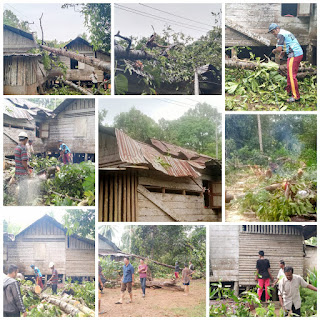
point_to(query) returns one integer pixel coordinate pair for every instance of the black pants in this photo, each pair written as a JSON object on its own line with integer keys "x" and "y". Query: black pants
{"x": 296, "y": 311}
{"x": 11, "y": 314}
{"x": 54, "y": 288}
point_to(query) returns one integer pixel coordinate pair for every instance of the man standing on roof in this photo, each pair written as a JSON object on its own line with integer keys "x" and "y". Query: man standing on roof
{"x": 22, "y": 171}
{"x": 65, "y": 152}
{"x": 12, "y": 300}
{"x": 287, "y": 40}
{"x": 38, "y": 275}
{"x": 54, "y": 278}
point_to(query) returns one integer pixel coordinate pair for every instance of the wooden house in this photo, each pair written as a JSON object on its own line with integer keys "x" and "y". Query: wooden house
{"x": 78, "y": 71}
{"x": 234, "y": 251}
{"x": 46, "y": 240}
{"x": 24, "y": 115}
{"x": 72, "y": 121}
{"x": 247, "y": 25}
{"x": 20, "y": 66}
{"x": 155, "y": 181}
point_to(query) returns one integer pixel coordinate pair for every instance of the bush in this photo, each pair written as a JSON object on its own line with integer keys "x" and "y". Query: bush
{"x": 308, "y": 302}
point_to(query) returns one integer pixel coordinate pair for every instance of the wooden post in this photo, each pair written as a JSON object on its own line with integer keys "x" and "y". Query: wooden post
{"x": 260, "y": 133}
{"x": 120, "y": 197}
{"x": 106, "y": 199}
{"x": 236, "y": 288}
{"x": 196, "y": 83}
{"x": 100, "y": 216}
{"x": 85, "y": 157}
{"x": 111, "y": 216}
{"x": 163, "y": 190}
{"x": 125, "y": 213}
{"x": 184, "y": 192}
{"x": 64, "y": 278}
{"x": 116, "y": 197}
{"x": 234, "y": 53}
{"x": 128, "y": 198}
{"x": 132, "y": 198}
{"x": 136, "y": 197}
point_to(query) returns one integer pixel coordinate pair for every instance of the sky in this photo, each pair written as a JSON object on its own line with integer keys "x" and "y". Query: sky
{"x": 56, "y": 22}
{"x": 137, "y": 19}
{"x": 156, "y": 108}
{"x": 28, "y": 215}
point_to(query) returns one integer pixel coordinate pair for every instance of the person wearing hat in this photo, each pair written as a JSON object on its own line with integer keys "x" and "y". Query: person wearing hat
{"x": 65, "y": 152}
{"x": 30, "y": 150}
{"x": 38, "y": 275}
{"x": 286, "y": 40}
{"x": 21, "y": 168}
{"x": 54, "y": 278}
{"x": 263, "y": 275}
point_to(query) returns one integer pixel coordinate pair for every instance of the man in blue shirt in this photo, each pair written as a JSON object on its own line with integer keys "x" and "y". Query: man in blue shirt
{"x": 38, "y": 275}
{"x": 127, "y": 280}
{"x": 64, "y": 152}
{"x": 285, "y": 39}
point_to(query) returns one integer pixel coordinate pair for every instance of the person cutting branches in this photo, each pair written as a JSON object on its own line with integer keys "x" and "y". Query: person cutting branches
{"x": 288, "y": 42}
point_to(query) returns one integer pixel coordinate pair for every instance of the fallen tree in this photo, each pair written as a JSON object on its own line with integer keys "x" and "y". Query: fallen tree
{"x": 74, "y": 86}
{"x": 94, "y": 62}
{"x": 251, "y": 65}
{"x": 155, "y": 262}
{"x": 165, "y": 284}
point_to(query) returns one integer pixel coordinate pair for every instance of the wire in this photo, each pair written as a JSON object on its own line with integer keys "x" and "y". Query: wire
{"x": 175, "y": 15}
{"x": 7, "y": 4}
{"x": 160, "y": 18}
{"x": 177, "y": 103}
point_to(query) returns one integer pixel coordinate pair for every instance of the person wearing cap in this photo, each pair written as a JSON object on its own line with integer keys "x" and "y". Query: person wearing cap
{"x": 54, "y": 278}
{"x": 29, "y": 147}
{"x": 38, "y": 275}
{"x": 285, "y": 39}
{"x": 21, "y": 168}
{"x": 64, "y": 152}
{"x": 263, "y": 275}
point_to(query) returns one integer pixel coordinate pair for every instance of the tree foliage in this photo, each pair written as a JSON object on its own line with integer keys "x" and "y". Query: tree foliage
{"x": 10, "y": 19}
{"x": 169, "y": 243}
{"x": 195, "y": 129}
{"x": 80, "y": 222}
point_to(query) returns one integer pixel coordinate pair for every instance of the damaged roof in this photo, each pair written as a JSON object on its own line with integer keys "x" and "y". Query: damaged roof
{"x": 24, "y": 109}
{"x": 83, "y": 41}
{"x": 162, "y": 156}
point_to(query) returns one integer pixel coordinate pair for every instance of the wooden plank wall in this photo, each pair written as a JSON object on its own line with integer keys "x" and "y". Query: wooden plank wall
{"x": 64, "y": 126}
{"x": 15, "y": 43}
{"x": 247, "y": 15}
{"x": 80, "y": 263}
{"x": 118, "y": 197}
{"x": 20, "y": 75}
{"x": 224, "y": 253}
{"x": 108, "y": 149}
{"x": 288, "y": 247}
{"x": 75, "y": 243}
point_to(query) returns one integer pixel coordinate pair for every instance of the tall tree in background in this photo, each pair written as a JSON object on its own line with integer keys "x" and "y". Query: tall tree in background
{"x": 10, "y": 19}
{"x": 80, "y": 222}
{"x": 260, "y": 133}
{"x": 97, "y": 19}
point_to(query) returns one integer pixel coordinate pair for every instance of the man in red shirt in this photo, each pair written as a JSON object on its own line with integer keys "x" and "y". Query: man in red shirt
{"x": 22, "y": 171}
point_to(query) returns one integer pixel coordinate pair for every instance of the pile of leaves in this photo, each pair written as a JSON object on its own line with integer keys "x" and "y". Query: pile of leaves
{"x": 264, "y": 89}
{"x": 74, "y": 181}
{"x": 229, "y": 305}
{"x": 39, "y": 163}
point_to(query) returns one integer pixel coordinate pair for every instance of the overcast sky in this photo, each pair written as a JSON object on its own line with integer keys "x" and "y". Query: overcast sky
{"x": 156, "y": 108}
{"x": 60, "y": 24}
{"x": 137, "y": 19}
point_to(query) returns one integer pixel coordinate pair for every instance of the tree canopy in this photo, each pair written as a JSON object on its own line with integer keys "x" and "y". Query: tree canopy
{"x": 196, "y": 129}
{"x": 10, "y": 19}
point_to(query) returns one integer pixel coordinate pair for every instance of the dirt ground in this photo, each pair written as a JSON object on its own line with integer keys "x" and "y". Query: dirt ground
{"x": 157, "y": 303}
{"x": 243, "y": 183}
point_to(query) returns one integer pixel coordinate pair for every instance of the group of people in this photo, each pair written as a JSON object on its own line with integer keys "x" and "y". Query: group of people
{"x": 12, "y": 299}
{"x": 288, "y": 284}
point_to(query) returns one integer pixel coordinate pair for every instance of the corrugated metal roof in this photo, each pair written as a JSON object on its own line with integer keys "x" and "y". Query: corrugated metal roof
{"x": 14, "y": 112}
{"x": 21, "y": 55}
{"x": 135, "y": 152}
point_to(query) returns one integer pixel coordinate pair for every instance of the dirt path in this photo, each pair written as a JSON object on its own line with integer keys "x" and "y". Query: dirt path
{"x": 157, "y": 303}
{"x": 243, "y": 182}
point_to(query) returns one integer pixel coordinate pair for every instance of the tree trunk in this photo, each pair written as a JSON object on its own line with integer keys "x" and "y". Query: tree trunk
{"x": 74, "y": 86}
{"x": 260, "y": 133}
{"x": 196, "y": 84}
{"x": 156, "y": 262}
{"x": 122, "y": 53}
{"x": 165, "y": 284}
{"x": 94, "y": 62}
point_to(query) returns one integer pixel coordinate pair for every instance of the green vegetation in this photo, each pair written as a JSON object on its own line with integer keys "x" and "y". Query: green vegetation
{"x": 264, "y": 89}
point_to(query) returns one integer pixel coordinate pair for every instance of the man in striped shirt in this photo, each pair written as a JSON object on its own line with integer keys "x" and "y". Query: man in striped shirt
{"x": 54, "y": 278}
{"x": 12, "y": 300}
{"x": 22, "y": 172}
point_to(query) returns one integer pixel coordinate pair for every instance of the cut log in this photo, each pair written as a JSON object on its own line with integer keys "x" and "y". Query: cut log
{"x": 74, "y": 86}
{"x": 94, "y": 62}
{"x": 273, "y": 187}
{"x": 165, "y": 284}
{"x": 251, "y": 65}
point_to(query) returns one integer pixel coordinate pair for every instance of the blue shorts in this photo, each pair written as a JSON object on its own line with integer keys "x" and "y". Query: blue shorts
{"x": 187, "y": 284}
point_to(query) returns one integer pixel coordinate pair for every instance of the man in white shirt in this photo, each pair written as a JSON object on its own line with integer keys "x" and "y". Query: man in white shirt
{"x": 280, "y": 276}
{"x": 289, "y": 290}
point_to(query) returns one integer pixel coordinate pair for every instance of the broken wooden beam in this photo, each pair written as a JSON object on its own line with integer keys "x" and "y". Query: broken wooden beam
{"x": 76, "y": 87}
{"x": 94, "y": 62}
{"x": 245, "y": 31}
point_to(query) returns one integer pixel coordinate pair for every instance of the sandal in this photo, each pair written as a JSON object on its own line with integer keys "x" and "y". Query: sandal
{"x": 118, "y": 302}
{"x": 292, "y": 99}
